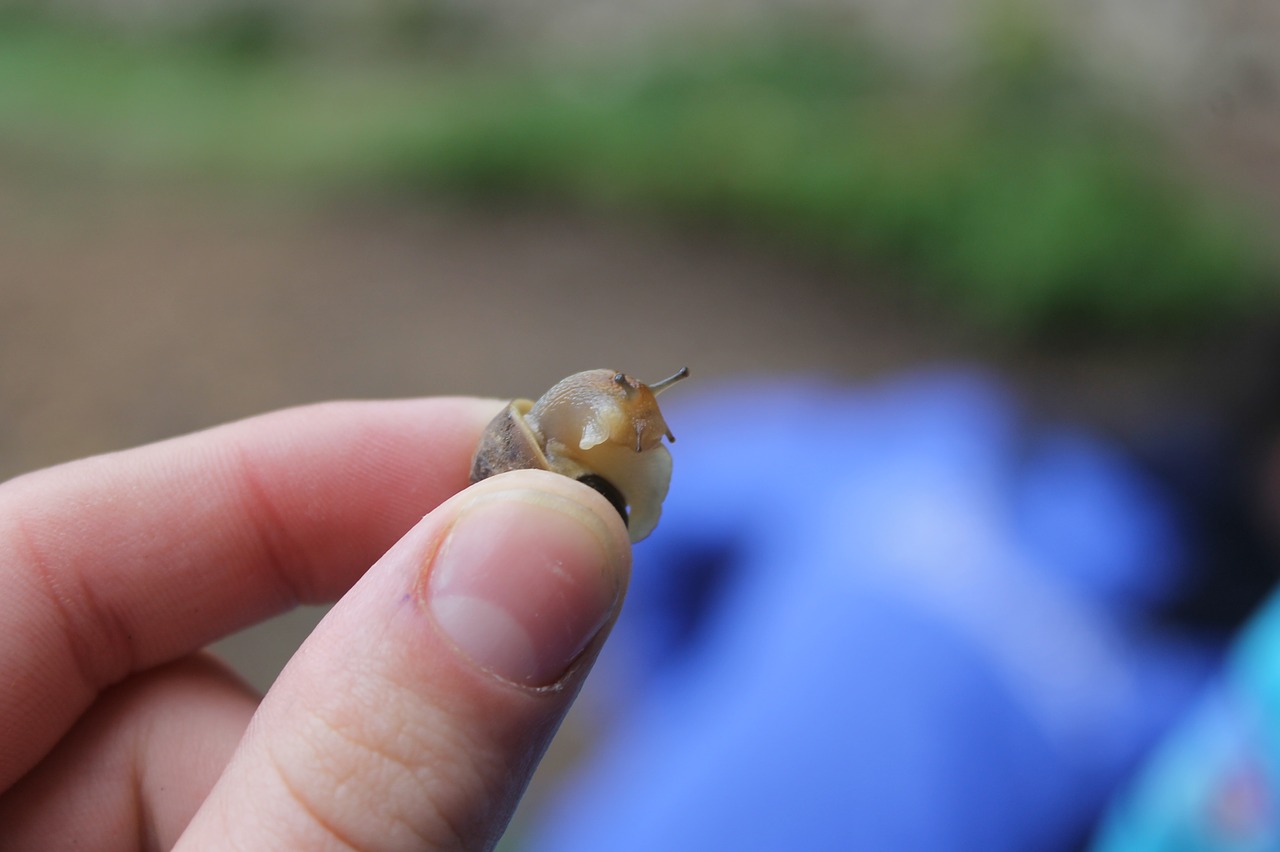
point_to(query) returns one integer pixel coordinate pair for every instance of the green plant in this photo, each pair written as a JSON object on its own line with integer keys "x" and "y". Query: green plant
{"x": 1013, "y": 195}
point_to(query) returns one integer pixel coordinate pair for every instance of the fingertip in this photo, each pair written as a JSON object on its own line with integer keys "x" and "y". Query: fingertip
{"x": 530, "y": 571}
{"x": 561, "y": 493}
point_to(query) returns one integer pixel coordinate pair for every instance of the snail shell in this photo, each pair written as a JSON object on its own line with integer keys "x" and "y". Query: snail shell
{"x": 600, "y": 427}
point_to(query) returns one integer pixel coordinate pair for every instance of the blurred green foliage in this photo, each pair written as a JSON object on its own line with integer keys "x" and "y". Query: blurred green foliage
{"x": 1014, "y": 193}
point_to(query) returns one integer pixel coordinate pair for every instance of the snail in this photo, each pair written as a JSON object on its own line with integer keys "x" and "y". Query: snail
{"x": 600, "y": 427}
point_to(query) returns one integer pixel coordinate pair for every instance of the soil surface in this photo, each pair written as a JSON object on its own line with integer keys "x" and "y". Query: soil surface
{"x": 130, "y": 314}
{"x": 133, "y": 313}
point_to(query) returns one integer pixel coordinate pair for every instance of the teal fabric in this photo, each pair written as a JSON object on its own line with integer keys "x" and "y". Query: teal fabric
{"x": 1212, "y": 787}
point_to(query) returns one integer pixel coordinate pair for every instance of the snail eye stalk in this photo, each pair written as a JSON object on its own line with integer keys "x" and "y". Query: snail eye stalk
{"x": 659, "y": 387}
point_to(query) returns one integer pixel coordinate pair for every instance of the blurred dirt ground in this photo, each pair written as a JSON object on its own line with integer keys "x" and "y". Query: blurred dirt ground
{"x": 133, "y": 313}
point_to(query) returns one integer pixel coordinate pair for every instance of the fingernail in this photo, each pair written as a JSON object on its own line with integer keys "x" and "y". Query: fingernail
{"x": 523, "y": 583}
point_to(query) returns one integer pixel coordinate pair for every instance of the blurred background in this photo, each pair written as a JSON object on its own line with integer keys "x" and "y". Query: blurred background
{"x": 213, "y": 208}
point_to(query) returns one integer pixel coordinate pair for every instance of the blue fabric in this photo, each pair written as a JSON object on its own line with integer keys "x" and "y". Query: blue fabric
{"x": 896, "y": 618}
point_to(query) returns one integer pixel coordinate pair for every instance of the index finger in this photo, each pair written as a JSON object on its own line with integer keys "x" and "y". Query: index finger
{"x": 117, "y": 563}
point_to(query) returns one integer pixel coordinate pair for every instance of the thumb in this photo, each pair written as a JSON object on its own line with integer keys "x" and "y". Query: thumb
{"x": 414, "y": 715}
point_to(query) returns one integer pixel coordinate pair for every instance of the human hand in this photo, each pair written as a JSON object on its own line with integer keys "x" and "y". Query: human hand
{"x": 411, "y": 718}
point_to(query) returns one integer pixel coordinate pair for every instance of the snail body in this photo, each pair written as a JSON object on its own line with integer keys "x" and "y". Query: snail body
{"x": 600, "y": 427}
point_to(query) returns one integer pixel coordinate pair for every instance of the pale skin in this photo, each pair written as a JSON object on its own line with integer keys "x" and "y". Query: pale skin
{"x": 412, "y": 717}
